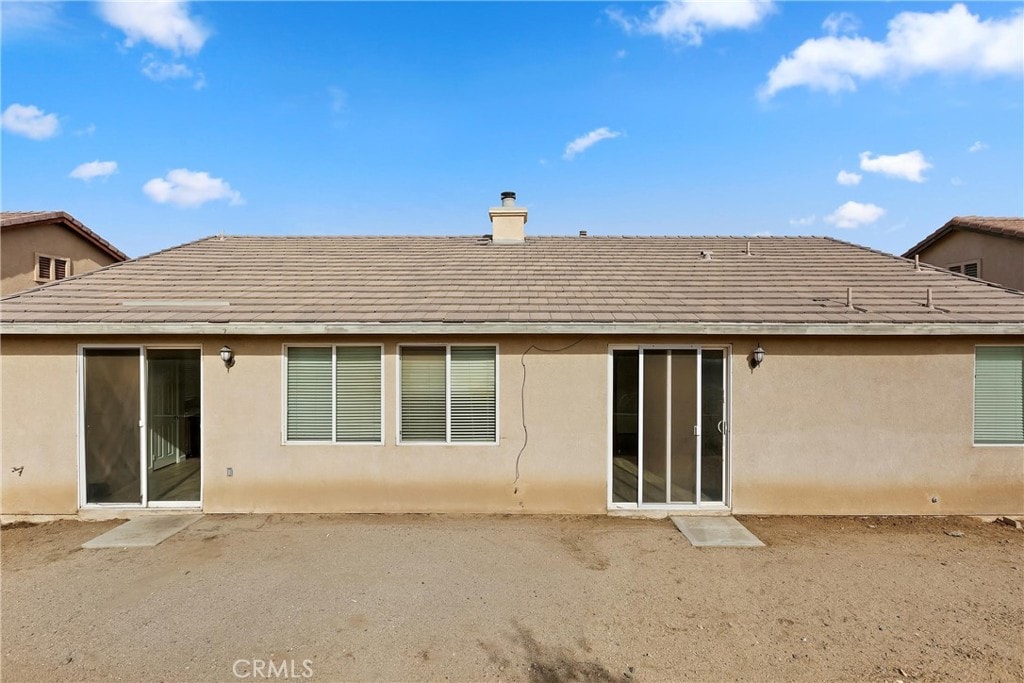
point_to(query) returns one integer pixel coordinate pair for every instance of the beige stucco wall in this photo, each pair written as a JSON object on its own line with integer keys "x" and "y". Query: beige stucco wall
{"x": 1001, "y": 258}
{"x": 824, "y": 426}
{"x": 19, "y": 246}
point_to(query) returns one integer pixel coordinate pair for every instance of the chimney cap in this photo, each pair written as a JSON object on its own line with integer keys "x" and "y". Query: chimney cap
{"x": 508, "y": 194}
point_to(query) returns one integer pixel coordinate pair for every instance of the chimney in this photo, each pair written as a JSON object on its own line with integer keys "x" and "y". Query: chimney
{"x": 508, "y": 221}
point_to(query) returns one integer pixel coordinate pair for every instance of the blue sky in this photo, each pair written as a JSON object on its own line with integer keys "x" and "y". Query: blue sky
{"x": 159, "y": 123}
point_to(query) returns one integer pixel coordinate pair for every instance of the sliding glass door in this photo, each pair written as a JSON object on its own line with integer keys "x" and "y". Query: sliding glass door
{"x": 668, "y": 426}
{"x": 140, "y": 426}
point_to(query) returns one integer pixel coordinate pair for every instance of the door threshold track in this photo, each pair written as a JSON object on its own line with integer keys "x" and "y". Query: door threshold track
{"x": 662, "y": 513}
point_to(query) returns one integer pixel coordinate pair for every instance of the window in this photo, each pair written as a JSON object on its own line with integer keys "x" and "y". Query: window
{"x": 333, "y": 393}
{"x": 50, "y": 268}
{"x": 448, "y": 394}
{"x": 999, "y": 395}
{"x": 970, "y": 269}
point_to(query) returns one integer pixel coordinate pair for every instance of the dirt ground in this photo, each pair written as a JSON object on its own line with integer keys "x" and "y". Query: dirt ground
{"x": 409, "y": 598}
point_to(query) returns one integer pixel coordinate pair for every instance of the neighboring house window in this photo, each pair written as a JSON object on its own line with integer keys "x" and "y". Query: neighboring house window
{"x": 999, "y": 395}
{"x": 50, "y": 268}
{"x": 970, "y": 269}
{"x": 333, "y": 393}
{"x": 447, "y": 394}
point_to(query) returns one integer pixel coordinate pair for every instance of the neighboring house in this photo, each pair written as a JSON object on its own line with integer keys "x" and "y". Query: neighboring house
{"x": 504, "y": 373}
{"x": 37, "y": 247}
{"x": 978, "y": 246}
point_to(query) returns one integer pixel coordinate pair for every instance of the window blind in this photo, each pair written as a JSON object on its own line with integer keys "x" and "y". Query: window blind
{"x": 473, "y": 393}
{"x": 424, "y": 394}
{"x": 309, "y": 402}
{"x": 999, "y": 395}
{"x": 358, "y": 375}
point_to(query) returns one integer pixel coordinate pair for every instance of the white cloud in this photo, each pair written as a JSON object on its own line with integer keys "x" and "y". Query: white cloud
{"x": 688, "y": 20}
{"x": 163, "y": 24}
{"x": 30, "y": 121}
{"x": 94, "y": 169}
{"x": 585, "y": 142}
{"x": 854, "y": 214}
{"x": 803, "y": 222}
{"x": 977, "y": 147}
{"x": 186, "y": 188}
{"x": 954, "y": 41}
{"x": 840, "y": 22}
{"x": 87, "y": 131}
{"x": 909, "y": 165}
{"x": 156, "y": 70}
{"x": 620, "y": 54}
{"x": 848, "y": 178}
{"x": 956, "y": 181}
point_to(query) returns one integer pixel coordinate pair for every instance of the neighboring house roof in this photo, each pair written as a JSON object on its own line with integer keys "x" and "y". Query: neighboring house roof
{"x": 1003, "y": 227}
{"x": 341, "y": 284}
{"x": 21, "y": 219}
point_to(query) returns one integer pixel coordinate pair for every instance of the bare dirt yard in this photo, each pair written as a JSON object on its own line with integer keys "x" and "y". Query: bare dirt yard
{"x": 483, "y": 598}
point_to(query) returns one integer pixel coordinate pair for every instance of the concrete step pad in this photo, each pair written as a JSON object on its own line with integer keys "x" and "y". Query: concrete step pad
{"x": 142, "y": 532}
{"x": 716, "y": 532}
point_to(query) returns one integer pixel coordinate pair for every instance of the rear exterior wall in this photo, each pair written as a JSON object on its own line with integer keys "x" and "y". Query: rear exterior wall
{"x": 823, "y": 426}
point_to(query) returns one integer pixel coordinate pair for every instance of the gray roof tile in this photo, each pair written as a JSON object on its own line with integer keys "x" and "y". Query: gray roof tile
{"x": 236, "y": 280}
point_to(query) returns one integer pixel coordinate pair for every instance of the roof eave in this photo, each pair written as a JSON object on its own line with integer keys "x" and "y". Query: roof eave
{"x": 956, "y": 223}
{"x": 76, "y": 226}
{"x": 701, "y": 329}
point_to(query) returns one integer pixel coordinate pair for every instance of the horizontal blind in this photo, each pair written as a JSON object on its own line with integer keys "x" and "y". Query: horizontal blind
{"x": 999, "y": 395}
{"x": 358, "y": 374}
{"x": 423, "y": 389}
{"x": 473, "y": 389}
{"x": 309, "y": 394}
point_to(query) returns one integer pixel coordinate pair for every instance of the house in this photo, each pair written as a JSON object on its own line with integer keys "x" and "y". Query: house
{"x": 978, "y": 246}
{"x": 44, "y": 246}
{"x": 513, "y": 373}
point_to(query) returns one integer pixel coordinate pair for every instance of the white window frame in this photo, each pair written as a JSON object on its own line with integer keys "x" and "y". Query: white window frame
{"x": 974, "y": 398}
{"x": 447, "y": 396}
{"x": 334, "y": 396}
{"x": 962, "y": 264}
{"x": 53, "y": 267}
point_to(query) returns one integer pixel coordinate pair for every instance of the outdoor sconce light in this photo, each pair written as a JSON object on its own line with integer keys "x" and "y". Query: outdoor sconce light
{"x": 757, "y": 357}
{"x": 228, "y": 356}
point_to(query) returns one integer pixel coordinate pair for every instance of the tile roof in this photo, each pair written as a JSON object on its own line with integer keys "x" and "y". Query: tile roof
{"x": 1004, "y": 227}
{"x": 284, "y": 283}
{"x": 12, "y": 219}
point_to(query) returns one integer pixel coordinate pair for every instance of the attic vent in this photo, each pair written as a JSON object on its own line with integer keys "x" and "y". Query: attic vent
{"x": 969, "y": 269}
{"x": 49, "y": 268}
{"x": 705, "y": 255}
